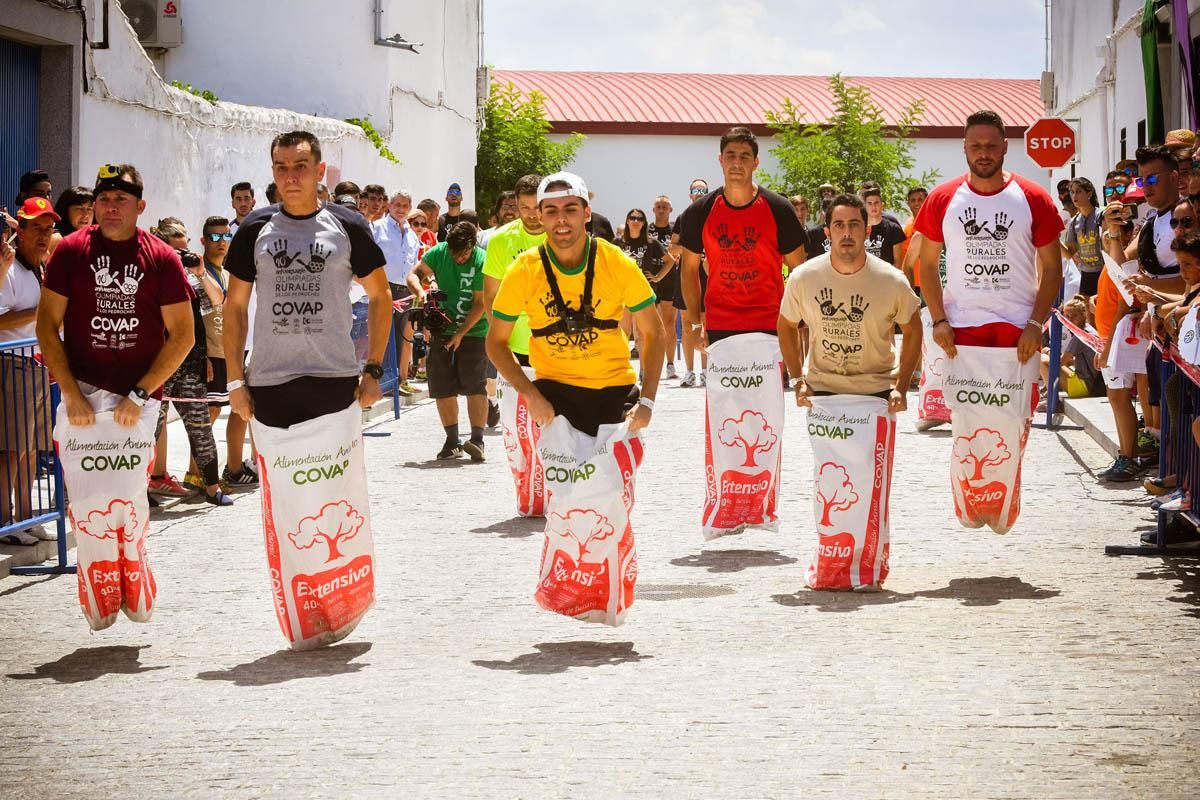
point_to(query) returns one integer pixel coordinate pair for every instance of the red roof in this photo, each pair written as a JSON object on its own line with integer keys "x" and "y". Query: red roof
{"x": 698, "y": 104}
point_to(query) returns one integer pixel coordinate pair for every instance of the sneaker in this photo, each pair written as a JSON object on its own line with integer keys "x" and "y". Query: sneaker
{"x": 1176, "y": 504}
{"x": 702, "y": 380}
{"x": 450, "y": 451}
{"x": 240, "y": 480}
{"x": 218, "y": 499}
{"x": 1159, "y": 486}
{"x": 42, "y": 533}
{"x": 474, "y": 449}
{"x": 1121, "y": 471}
{"x": 420, "y": 376}
{"x": 168, "y": 486}
{"x": 1156, "y": 504}
{"x": 671, "y": 372}
{"x": 493, "y": 417}
{"x": 194, "y": 481}
{"x": 689, "y": 380}
{"x": 251, "y": 467}
{"x": 406, "y": 390}
{"x": 151, "y": 500}
{"x": 18, "y": 537}
{"x": 633, "y": 354}
{"x": 1176, "y": 535}
{"x": 1146, "y": 444}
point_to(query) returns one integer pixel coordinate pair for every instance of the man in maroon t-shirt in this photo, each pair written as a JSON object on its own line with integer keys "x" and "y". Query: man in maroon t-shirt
{"x": 122, "y": 300}
{"x": 747, "y": 233}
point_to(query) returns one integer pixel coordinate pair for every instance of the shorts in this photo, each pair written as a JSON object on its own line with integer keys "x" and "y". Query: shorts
{"x": 459, "y": 372}
{"x": 218, "y": 393}
{"x": 491, "y": 371}
{"x": 1088, "y": 283}
{"x": 302, "y": 399}
{"x": 1118, "y": 380}
{"x": 668, "y": 288}
{"x": 24, "y": 405}
{"x": 680, "y": 303}
{"x": 399, "y": 291}
{"x": 1154, "y": 377}
{"x": 586, "y": 409}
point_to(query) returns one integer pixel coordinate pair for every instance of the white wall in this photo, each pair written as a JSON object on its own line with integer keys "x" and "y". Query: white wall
{"x": 629, "y": 171}
{"x": 319, "y": 57}
{"x": 190, "y": 151}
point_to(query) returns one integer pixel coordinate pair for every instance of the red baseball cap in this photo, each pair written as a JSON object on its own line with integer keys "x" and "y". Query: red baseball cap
{"x": 36, "y": 207}
{"x": 1134, "y": 194}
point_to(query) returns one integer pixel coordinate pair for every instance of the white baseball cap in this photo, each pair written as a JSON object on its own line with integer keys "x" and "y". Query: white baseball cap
{"x": 575, "y": 187}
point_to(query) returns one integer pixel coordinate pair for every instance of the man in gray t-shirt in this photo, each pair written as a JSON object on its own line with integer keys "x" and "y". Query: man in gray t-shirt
{"x": 301, "y": 256}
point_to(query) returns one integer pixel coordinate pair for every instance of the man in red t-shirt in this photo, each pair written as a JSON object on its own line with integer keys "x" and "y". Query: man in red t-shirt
{"x": 747, "y": 233}
{"x": 1003, "y": 264}
{"x": 123, "y": 303}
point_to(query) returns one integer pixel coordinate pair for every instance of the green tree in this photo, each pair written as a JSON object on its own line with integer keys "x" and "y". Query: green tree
{"x": 852, "y": 146}
{"x": 513, "y": 143}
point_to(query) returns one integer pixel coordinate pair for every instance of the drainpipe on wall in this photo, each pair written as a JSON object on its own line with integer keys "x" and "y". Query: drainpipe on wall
{"x": 395, "y": 40}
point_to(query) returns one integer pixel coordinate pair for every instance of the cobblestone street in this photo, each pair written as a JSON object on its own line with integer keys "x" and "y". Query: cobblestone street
{"x": 1022, "y": 666}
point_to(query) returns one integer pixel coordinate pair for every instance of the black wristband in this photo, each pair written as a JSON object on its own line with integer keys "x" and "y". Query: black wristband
{"x": 937, "y": 322}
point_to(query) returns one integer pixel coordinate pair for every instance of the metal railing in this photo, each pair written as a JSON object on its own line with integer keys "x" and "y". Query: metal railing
{"x": 31, "y": 483}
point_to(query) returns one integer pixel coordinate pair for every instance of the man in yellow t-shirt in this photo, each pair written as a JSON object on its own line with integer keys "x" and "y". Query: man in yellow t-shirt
{"x": 508, "y": 242}
{"x": 574, "y": 290}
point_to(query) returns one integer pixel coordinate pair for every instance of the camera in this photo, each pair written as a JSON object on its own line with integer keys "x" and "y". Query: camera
{"x": 190, "y": 260}
{"x": 431, "y": 316}
{"x": 576, "y": 322}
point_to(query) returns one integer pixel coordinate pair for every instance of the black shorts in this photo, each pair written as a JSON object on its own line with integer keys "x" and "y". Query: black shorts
{"x": 680, "y": 303}
{"x": 461, "y": 372}
{"x": 586, "y": 409}
{"x": 301, "y": 399}
{"x": 1153, "y": 375}
{"x": 666, "y": 289}
{"x": 1089, "y": 282}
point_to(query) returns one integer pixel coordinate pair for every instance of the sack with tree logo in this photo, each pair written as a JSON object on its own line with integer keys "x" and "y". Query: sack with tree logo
{"x": 317, "y": 526}
{"x": 589, "y": 563}
{"x": 521, "y": 444}
{"x": 105, "y": 468}
{"x": 853, "y": 440}
{"x": 743, "y": 434}
{"x": 990, "y": 393}
{"x": 931, "y": 404}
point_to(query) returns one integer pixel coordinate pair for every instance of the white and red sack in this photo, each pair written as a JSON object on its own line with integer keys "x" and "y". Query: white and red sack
{"x": 853, "y": 441}
{"x": 743, "y": 434}
{"x": 106, "y": 467}
{"x": 991, "y": 395}
{"x": 317, "y": 526}
{"x": 931, "y": 403}
{"x": 521, "y": 443}
{"x": 589, "y": 562}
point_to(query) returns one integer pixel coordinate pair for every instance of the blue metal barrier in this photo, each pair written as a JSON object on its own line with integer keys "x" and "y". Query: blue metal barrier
{"x": 391, "y": 370}
{"x": 31, "y": 481}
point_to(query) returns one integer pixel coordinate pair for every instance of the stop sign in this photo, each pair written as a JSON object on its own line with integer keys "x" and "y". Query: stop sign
{"x": 1050, "y": 142}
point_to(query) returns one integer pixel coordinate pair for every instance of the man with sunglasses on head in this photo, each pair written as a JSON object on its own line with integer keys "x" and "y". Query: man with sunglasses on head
{"x": 445, "y": 222}
{"x": 697, "y": 191}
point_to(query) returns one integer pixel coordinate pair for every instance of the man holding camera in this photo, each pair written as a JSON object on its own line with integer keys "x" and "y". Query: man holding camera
{"x": 454, "y": 315}
{"x": 575, "y": 289}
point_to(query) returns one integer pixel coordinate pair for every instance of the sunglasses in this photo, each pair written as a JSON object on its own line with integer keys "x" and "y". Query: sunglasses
{"x": 416, "y": 223}
{"x": 1183, "y": 222}
{"x": 635, "y": 219}
{"x": 695, "y": 192}
{"x": 1109, "y": 191}
{"x": 1149, "y": 180}
{"x": 219, "y": 237}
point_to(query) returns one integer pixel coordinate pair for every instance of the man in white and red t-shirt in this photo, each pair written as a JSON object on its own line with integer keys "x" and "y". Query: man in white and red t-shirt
{"x": 1003, "y": 264}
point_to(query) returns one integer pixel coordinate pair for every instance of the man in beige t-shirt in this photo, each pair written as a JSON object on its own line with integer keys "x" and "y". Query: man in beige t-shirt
{"x": 851, "y": 302}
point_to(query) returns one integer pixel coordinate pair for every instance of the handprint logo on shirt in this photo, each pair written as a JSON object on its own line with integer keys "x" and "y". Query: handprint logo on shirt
{"x": 1002, "y": 221}
{"x": 279, "y": 254}
{"x": 857, "y": 308}
{"x": 750, "y": 237}
{"x": 316, "y": 257}
{"x": 131, "y": 279}
{"x": 824, "y": 299}
{"x": 104, "y": 276}
{"x": 723, "y": 237}
{"x": 970, "y": 225}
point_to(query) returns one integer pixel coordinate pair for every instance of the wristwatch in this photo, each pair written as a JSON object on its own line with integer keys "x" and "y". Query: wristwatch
{"x": 795, "y": 382}
{"x": 373, "y": 369}
{"x": 139, "y": 396}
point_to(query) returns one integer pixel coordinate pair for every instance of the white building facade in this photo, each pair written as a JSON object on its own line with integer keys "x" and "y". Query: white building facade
{"x": 274, "y": 65}
{"x": 1096, "y": 78}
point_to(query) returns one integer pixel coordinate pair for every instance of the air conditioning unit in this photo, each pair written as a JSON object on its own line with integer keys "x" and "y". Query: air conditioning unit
{"x": 156, "y": 22}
